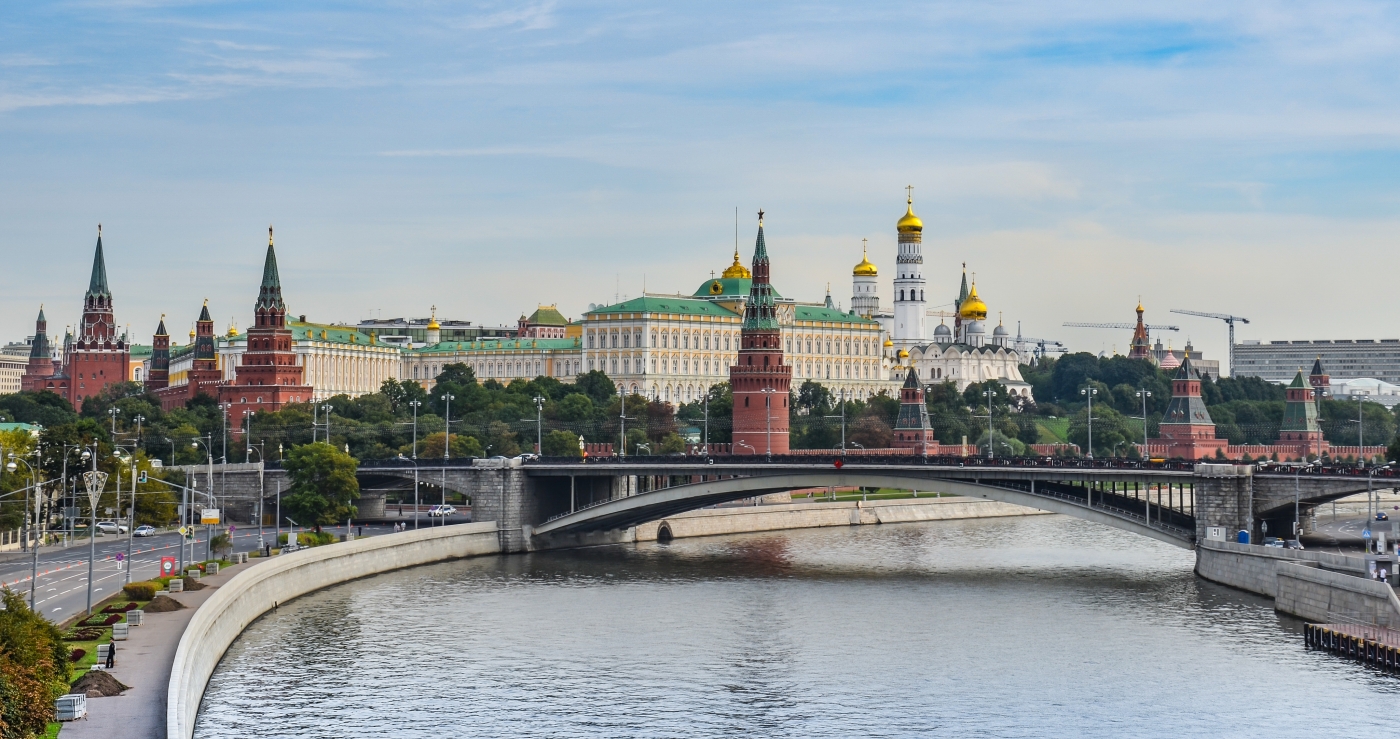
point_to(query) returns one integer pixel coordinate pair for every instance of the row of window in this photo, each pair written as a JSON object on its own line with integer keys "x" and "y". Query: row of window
{"x": 516, "y": 368}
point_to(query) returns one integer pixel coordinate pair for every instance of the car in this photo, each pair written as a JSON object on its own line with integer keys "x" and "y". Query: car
{"x": 1273, "y": 541}
{"x": 111, "y": 527}
{"x": 1380, "y": 516}
{"x": 1293, "y": 544}
{"x": 441, "y": 510}
{"x": 144, "y": 530}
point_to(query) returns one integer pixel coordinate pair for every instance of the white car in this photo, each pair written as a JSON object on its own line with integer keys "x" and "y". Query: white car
{"x": 441, "y": 510}
{"x": 144, "y": 530}
{"x": 111, "y": 527}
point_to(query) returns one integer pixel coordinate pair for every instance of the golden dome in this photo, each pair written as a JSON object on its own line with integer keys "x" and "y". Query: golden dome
{"x": 888, "y": 343}
{"x": 432, "y": 322}
{"x": 910, "y": 223}
{"x": 973, "y": 309}
{"x": 737, "y": 269}
{"x": 232, "y": 328}
{"x": 903, "y": 354}
{"x": 865, "y": 268}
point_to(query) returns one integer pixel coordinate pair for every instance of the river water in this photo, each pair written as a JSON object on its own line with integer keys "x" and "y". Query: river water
{"x": 1014, "y": 627}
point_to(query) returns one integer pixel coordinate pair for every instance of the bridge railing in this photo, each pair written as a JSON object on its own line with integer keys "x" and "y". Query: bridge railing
{"x": 874, "y": 459}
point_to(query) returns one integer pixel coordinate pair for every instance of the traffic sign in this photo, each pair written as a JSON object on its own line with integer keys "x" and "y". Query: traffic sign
{"x": 167, "y": 566}
{"x": 120, "y": 556}
{"x": 1366, "y": 534}
{"x": 183, "y": 530}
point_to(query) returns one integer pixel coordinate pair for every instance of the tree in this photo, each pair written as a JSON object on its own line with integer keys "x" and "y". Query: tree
{"x": 812, "y": 398}
{"x": 323, "y": 486}
{"x": 871, "y": 431}
{"x": 672, "y": 444}
{"x": 597, "y": 386}
{"x": 34, "y": 668}
{"x": 562, "y": 444}
{"x": 430, "y": 446}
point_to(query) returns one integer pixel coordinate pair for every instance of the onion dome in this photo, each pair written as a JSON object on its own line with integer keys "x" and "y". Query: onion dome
{"x": 232, "y": 329}
{"x": 192, "y": 336}
{"x": 737, "y": 269}
{"x": 1169, "y": 360}
{"x": 433, "y": 322}
{"x": 910, "y": 223}
{"x": 903, "y": 354}
{"x": 888, "y": 343}
{"x": 942, "y": 334}
{"x": 865, "y": 268}
{"x": 973, "y": 309}
{"x": 1000, "y": 330}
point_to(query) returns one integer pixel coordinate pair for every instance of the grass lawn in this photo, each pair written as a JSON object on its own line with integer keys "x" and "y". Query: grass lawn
{"x": 52, "y": 731}
{"x": 1053, "y": 430}
{"x": 90, "y": 647}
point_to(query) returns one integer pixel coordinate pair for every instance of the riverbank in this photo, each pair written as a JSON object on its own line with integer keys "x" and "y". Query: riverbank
{"x": 784, "y": 516}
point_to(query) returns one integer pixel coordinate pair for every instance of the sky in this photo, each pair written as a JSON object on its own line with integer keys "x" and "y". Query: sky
{"x": 490, "y": 157}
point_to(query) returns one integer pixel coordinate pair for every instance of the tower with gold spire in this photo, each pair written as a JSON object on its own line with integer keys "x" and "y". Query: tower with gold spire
{"x": 865, "y": 296}
{"x": 910, "y": 307}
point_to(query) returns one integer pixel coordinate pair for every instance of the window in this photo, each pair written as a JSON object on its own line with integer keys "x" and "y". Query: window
{"x": 726, "y": 342}
{"x": 809, "y": 346}
{"x": 828, "y": 347}
{"x": 685, "y": 341}
{"x": 614, "y": 340}
{"x": 626, "y": 366}
{"x": 653, "y": 338}
{"x": 614, "y": 365}
{"x": 637, "y": 341}
{"x": 627, "y": 340}
{"x": 653, "y": 365}
{"x": 789, "y": 346}
{"x": 592, "y": 344}
{"x": 707, "y": 340}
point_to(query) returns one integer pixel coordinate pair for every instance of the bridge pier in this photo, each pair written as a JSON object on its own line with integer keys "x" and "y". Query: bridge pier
{"x": 1223, "y": 497}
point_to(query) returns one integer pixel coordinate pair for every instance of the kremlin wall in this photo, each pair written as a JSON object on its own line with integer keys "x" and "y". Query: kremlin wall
{"x": 734, "y": 328}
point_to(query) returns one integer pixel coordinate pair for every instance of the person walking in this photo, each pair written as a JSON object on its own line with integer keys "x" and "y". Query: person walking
{"x": 111, "y": 655}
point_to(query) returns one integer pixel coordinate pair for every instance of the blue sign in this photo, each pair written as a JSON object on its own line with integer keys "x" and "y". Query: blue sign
{"x": 1366, "y": 534}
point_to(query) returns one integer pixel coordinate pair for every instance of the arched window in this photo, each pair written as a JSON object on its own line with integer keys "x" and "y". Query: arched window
{"x": 653, "y": 338}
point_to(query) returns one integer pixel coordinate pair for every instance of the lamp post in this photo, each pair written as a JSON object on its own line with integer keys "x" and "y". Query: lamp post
{"x": 34, "y": 545}
{"x": 130, "y": 459}
{"x": 223, "y": 454}
{"x": 1297, "y": 495}
{"x": 326, "y": 413}
{"x": 1360, "y": 429}
{"x": 991, "y": 430}
{"x": 539, "y": 424}
{"x": 95, "y": 481}
{"x": 705, "y": 446}
{"x": 415, "y": 489}
{"x": 1144, "y": 394}
{"x": 414, "y": 404}
{"x": 622, "y": 420}
{"x": 113, "y": 413}
{"x": 209, "y": 453}
{"x": 248, "y": 436}
{"x": 446, "y": 452}
{"x": 139, "y": 420}
{"x": 1090, "y": 392}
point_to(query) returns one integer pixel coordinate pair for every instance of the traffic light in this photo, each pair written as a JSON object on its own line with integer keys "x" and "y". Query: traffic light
{"x": 141, "y": 478}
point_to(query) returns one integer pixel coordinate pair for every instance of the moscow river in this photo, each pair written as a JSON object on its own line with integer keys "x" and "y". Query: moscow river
{"x": 1013, "y": 627}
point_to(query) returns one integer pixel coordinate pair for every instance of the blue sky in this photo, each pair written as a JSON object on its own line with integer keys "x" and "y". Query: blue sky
{"x": 1232, "y": 157}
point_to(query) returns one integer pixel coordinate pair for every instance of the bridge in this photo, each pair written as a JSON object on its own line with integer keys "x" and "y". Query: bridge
{"x": 554, "y": 502}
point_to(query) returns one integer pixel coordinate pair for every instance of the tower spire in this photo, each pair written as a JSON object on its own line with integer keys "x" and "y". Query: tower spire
{"x": 97, "y": 285}
{"x": 270, "y": 292}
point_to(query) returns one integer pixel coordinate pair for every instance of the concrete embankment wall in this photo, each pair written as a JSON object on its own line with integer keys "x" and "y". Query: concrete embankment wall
{"x": 740, "y": 520}
{"x": 254, "y": 592}
{"x": 1317, "y": 586}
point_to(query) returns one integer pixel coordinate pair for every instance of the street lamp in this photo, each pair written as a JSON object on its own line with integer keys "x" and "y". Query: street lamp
{"x": 223, "y": 454}
{"x": 34, "y": 545}
{"x": 415, "y": 488}
{"x": 1090, "y": 392}
{"x": 209, "y": 453}
{"x": 248, "y": 436}
{"x": 94, "y": 481}
{"x": 326, "y": 412}
{"x": 1360, "y": 429}
{"x": 991, "y": 431}
{"x": 622, "y": 420}
{"x": 139, "y": 420}
{"x": 539, "y": 424}
{"x": 130, "y": 459}
{"x": 113, "y": 413}
{"x": 414, "y": 404}
{"x": 1144, "y": 394}
{"x": 446, "y": 450}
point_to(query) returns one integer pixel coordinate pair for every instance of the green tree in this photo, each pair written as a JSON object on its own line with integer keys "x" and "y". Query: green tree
{"x": 597, "y": 386}
{"x": 672, "y": 444}
{"x": 34, "y": 668}
{"x": 323, "y": 487}
{"x": 430, "y": 446}
{"x": 561, "y": 443}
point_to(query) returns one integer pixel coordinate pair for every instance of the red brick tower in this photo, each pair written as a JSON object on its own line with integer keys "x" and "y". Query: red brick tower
{"x": 1139, "y": 348}
{"x": 760, "y": 381}
{"x": 1187, "y": 429}
{"x": 99, "y": 356}
{"x": 205, "y": 376}
{"x": 912, "y": 430}
{"x": 159, "y": 376}
{"x": 40, "y": 373}
{"x": 1319, "y": 380}
{"x": 269, "y": 376}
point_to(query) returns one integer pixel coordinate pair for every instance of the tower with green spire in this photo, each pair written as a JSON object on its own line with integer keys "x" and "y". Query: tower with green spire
{"x": 1299, "y": 429}
{"x": 760, "y": 381}
{"x": 269, "y": 376}
{"x": 99, "y": 356}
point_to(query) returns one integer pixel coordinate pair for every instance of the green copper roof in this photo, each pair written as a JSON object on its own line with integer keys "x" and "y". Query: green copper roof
{"x": 499, "y": 345}
{"x": 547, "y": 315}
{"x": 335, "y": 334}
{"x": 1298, "y": 380}
{"x": 140, "y": 350}
{"x": 727, "y": 287}
{"x": 98, "y": 284}
{"x": 1299, "y": 415}
{"x": 653, "y": 304}
{"x": 270, "y": 292}
{"x": 822, "y": 313}
{"x": 760, "y": 313}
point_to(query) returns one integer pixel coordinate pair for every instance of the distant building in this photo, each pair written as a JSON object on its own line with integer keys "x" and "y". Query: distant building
{"x": 14, "y": 358}
{"x": 1279, "y": 361}
{"x": 545, "y": 323}
{"x": 1366, "y": 388}
{"x": 414, "y": 332}
{"x": 1169, "y": 359}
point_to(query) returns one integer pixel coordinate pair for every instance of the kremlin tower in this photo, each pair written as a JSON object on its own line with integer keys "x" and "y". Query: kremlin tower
{"x": 40, "y": 373}
{"x": 1140, "y": 348}
{"x": 760, "y": 381}
{"x": 159, "y": 376}
{"x": 269, "y": 376}
{"x": 1187, "y": 430}
{"x": 912, "y": 429}
{"x": 910, "y": 308}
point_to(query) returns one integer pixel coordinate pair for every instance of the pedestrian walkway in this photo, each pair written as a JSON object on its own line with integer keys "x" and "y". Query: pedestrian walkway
{"x": 143, "y": 662}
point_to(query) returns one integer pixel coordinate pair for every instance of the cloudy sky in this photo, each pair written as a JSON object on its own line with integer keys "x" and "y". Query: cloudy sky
{"x": 1228, "y": 157}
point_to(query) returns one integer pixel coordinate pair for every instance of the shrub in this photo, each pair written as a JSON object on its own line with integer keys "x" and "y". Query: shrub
{"x": 76, "y": 655}
{"x": 34, "y": 668}
{"x": 140, "y": 590}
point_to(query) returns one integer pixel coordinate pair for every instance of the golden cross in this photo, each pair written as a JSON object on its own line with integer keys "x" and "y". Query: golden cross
{"x": 910, "y": 190}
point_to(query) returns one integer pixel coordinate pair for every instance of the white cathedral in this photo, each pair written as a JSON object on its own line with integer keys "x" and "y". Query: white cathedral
{"x": 962, "y": 354}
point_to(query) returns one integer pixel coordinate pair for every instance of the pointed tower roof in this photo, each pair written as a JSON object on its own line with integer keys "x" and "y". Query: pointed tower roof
{"x": 761, "y": 312}
{"x": 1317, "y": 367}
{"x": 204, "y": 312}
{"x": 97, "y": 285}
{"x": 270, "y": 292}
{"x": 160, "y": 330}
{"x": 1298, "y": 381}
{"x": 911, "y": 379}
{"x": 41, "y": 313}
{"x": 962, "y": 293}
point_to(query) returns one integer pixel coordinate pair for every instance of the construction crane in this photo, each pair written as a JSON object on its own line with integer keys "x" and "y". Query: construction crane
{"x": 1040, "y": 346}
{"x": 1128, "y": 326}
{"x": 1229, "y": 321}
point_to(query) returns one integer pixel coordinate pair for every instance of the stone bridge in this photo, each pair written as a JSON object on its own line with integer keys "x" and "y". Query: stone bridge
{"x": 549, "y": 503}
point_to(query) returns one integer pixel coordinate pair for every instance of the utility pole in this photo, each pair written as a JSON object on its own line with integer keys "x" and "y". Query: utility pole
{"x": 991, "y": 430}
{"x": 415, "y": 404}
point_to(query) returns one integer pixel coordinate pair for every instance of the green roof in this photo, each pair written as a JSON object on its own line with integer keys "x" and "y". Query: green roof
{"x": 334, "y": 334}
{"x": 180, "y": 351}
{"x": 498, "y": 345}
{"x": 140, "y": 350}
{"x": 18, "y": 427}
{"x": 547, "y": 315}
{"x": 653, "y": 304}
{"x": 727, "y": 287}
{"x": 822, "y": 313}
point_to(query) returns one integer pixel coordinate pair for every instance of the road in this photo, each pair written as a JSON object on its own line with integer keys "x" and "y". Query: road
{"x": 63, "y": 572}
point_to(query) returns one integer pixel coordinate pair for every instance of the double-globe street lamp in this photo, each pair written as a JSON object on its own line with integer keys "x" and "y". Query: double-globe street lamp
{"x": 1090, "y": 392}
{"x": 35, "y": 485}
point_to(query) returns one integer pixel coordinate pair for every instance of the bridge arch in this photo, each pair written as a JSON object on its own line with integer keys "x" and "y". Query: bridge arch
{"x": 620, "y": 513}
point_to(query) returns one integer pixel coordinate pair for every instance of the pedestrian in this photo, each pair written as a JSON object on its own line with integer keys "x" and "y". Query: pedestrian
{"x": 359, "y": 531}
{"x": 111, "y": 655}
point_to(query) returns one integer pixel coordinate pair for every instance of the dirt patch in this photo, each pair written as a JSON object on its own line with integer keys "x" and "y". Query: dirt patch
{"x": 193, "y": 584}
{"x": 163, "y": 604}
{"x": 99, "y": 682}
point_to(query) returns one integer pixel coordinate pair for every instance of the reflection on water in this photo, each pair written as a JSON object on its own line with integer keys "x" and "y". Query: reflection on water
{"x": 1014, "y": 627}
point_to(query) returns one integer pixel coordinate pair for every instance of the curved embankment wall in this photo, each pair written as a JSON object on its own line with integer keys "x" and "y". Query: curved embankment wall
{"x": 254, "y": 592}
{"x": 1322, "y": 587}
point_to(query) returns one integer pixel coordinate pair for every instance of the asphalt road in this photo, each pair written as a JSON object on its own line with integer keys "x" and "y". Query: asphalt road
{"x": 61, "y": 590}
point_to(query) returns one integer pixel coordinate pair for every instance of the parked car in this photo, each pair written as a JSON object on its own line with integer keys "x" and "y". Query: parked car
{"x": 1273, "y": 541}
{"x": 1293, "y": 544}
{"x": 144, "y": 530}
{"x": 441, "y": 510}
{"x": 1380, "y": 516}
{"x": 111, "y": 527}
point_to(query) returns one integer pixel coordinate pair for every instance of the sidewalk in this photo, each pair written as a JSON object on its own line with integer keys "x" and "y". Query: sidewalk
{"x": 143, "y": 662}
